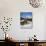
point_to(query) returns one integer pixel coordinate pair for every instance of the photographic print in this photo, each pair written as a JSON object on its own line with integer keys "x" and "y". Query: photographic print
{"x": 26, "y": 20}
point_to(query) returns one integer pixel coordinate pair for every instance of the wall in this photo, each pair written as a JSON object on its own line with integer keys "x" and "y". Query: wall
{"x": 45, "y": 28}
{"x": 12, "y": 8}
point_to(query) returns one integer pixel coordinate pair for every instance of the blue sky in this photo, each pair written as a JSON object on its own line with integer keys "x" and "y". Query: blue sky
{"x": 24, "y": 14}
